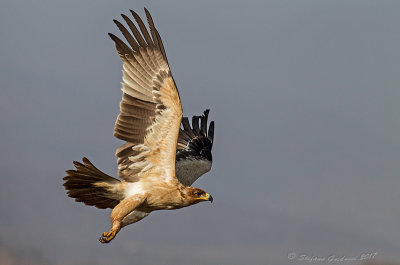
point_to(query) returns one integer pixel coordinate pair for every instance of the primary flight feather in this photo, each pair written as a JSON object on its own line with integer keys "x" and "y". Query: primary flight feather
{"x": 160, "y": 160}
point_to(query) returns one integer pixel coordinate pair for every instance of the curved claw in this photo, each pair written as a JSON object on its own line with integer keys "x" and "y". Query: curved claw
{"x": 107, "y": 237}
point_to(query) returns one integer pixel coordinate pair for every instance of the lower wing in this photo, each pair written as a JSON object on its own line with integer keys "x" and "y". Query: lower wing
{"x": 193, "y": 154}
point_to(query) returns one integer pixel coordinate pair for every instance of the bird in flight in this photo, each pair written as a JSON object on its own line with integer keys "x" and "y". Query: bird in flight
{"x": 159, "y": 160}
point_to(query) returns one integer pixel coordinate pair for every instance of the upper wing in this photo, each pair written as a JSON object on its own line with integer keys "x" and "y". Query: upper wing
{"x": 193, "y": 153}
{"x": 150, "y": 110}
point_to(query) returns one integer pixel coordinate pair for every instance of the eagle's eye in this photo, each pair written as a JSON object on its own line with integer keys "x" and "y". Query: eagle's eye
{"x": 198, "y": 194}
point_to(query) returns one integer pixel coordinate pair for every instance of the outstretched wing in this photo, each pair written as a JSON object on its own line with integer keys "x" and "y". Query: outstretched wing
{"x": 150, "y": 110}
{"x": 193, "y": 152}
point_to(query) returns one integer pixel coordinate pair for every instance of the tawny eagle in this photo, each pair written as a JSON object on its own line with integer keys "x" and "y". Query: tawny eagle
{"x": 160, "y": 159}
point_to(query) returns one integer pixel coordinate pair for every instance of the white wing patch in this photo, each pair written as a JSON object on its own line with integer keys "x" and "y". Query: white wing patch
{"x": 190, "y": 169}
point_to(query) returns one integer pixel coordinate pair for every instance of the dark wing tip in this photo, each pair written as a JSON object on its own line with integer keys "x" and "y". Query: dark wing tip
{"x": 77, "y": 164}
{"x": 199, "y": 125}
{"x": 133, "y": 12}
{"x": 204, "y": 121}
{"x": 114, "y": 38}
{"x": 143, "y": 29}
{"x": 195, "y": 125}
{"x": 210, "y": 134}
{"x": 197, "y": 141}
{"x": 122, "y": 48}
{"x": 136, "y": 16}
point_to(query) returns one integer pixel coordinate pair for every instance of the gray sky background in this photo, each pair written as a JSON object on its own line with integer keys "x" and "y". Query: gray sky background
{"x": 305, "y": 96}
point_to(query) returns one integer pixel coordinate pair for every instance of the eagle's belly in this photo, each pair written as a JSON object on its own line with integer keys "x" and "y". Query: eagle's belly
{"x": 134, "y": 188}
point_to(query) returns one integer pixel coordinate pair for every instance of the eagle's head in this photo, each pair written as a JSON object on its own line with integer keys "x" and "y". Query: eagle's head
{"x": 196, "y": 195}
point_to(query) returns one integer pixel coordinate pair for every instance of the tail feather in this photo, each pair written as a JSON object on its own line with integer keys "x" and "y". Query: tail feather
{"x": 89, "y": 185}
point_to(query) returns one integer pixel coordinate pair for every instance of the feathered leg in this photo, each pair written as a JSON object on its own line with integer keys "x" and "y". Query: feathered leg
{"x": 134, "y": 217}
{"x": 120, "y": 211}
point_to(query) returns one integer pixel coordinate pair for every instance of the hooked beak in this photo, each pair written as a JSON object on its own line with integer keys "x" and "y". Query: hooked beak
{"x": 206, "y": 197}
{"x": 209, "y": 198}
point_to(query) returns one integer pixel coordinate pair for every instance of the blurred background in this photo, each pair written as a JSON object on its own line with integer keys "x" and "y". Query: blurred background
{"x": 305, "y": 97}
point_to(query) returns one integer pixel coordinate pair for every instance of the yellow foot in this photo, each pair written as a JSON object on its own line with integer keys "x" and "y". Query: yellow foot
{"x": 107, "y": 237}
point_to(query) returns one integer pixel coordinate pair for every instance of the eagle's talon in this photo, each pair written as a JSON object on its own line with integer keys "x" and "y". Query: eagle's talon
{"x": 107, "y": 237}
{"x": 104, "y": 240}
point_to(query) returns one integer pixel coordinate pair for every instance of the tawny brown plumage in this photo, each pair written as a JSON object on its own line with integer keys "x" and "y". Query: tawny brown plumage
{"x": 149, "y": 122}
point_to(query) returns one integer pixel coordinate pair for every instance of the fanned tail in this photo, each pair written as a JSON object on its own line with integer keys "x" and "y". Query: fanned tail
{"x": 89, "y": 185}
